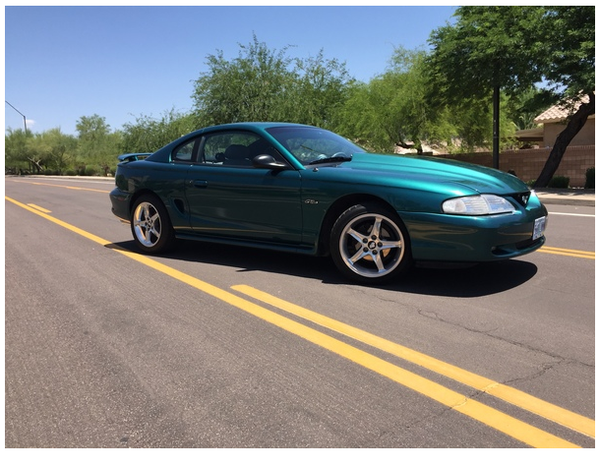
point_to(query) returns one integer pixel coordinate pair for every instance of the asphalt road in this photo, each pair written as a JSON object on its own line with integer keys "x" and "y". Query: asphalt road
{"x": 215, "y": 346}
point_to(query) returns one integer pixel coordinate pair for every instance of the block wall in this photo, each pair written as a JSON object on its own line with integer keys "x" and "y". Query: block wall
{"x": 527, "y": 164}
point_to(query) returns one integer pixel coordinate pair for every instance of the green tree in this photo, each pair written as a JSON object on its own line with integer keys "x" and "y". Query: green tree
{"x": 263, "y": 84}
{"x": 472, "y": 120}
{"x": 148, "y": 134}
{"x": 37, "y": 151}
{"x": 98, "y": 147}
{"x": 524, "y": 107}
{"x": 62, "y": 149}
{"x": 250, "y": 87}
{"x": 15, "y": 151}
{"x": 361, "y": 117}
{"x": 572, "y": 73}
{"x": 488, "y": 46}
{"x": 515, "y": 48}
{"x": 318, "y": 88}
{"x": 416, "y": 120}
{"x": 51, "y": 151}
{"x": 392, "y": 110}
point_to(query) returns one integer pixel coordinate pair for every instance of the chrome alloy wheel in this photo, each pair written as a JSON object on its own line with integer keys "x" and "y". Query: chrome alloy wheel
{"x": 147, "y": 225}
{"x": 371, "y": 245}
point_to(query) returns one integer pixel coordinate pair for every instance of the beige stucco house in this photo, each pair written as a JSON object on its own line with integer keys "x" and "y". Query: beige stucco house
{"x": 552, "y": 122}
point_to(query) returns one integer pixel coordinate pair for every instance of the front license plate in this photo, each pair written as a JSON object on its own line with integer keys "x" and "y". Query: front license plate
{"x": 538, "y": 228}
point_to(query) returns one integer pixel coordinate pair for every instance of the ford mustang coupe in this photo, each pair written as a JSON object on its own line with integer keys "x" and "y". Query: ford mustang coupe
{"x": 307, "y": 190}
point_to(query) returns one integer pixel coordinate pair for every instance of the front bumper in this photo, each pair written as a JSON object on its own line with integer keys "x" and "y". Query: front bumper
{"x": 436, "y": 237}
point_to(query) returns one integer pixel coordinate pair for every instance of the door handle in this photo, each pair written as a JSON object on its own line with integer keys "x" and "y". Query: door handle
{"x": 200, "y": 183}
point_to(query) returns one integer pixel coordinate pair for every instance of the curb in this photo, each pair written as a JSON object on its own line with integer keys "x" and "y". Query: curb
{"x": 576, "y": 197}
{"x": 565, "y": 200}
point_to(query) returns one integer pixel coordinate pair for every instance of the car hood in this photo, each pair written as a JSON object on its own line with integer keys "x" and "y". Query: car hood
{"x": 434, "y": 173}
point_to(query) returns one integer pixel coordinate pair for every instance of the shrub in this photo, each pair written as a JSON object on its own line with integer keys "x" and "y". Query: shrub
{"x": 559, "y": 182}
{"x": 590, "y": 178}
{"x": 93, "y": 171}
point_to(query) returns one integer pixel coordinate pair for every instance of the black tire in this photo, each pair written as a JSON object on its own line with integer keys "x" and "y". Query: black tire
{"x": 150, "y": 225}
{"x": 370, "y": 244}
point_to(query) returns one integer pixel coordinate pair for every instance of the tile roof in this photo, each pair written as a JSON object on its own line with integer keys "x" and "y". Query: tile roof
{"x": 558, "y": 112}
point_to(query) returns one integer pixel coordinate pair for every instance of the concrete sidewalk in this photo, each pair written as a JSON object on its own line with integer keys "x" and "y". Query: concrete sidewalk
{"x": 580, "y": 197}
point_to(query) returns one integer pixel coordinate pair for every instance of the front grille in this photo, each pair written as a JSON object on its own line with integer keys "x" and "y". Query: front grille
{"x": 522, "y": 198}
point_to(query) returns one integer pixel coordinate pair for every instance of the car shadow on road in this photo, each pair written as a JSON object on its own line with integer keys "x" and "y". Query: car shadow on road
{"x": 458, "y": 281}
{"x": 467, "y": 281}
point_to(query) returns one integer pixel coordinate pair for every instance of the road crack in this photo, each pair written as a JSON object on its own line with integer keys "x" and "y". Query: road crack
{"x": 555, "y": 358}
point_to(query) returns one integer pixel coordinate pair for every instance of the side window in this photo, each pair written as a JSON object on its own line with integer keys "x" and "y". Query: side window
{"x": 235, "y": 149}
{"x": 184, "y": 152}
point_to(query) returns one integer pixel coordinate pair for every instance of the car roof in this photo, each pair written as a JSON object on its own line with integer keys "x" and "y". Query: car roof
{"x": 252, "y": 125}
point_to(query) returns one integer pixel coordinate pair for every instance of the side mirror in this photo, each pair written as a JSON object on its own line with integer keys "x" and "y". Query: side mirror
{"x": 266, "y": 161}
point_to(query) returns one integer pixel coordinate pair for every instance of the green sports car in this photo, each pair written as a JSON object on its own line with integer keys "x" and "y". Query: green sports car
{"x": 307, "y": 190}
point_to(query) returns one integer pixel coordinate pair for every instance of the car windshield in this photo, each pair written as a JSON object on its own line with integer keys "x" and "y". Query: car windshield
{"x": 313, "y": 146}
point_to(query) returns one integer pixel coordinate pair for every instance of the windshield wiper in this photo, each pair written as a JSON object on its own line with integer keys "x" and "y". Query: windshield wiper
{"x": 331, "y": 159}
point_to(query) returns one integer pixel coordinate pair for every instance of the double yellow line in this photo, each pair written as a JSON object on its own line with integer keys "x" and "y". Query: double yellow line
{"x": 500, "y": 421}
{"x": 568, "y": 252}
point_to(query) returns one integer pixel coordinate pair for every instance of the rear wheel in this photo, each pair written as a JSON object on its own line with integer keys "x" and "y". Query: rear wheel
{"x": 150, "y": 225}
{"x": 369, "y": 244}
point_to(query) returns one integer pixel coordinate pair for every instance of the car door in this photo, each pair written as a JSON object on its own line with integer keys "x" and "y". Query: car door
{"x": 230, "y": 199}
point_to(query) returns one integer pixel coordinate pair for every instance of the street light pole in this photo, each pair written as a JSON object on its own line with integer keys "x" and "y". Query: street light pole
{"x": 24, "y": 118}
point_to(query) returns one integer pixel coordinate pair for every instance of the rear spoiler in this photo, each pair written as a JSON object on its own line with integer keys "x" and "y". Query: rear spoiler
{"x": 133, "y": 157}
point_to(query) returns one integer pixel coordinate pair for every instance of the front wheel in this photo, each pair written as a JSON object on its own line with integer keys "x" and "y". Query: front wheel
{"x": 150, "y": 225}
{"x": 369, "y": 244}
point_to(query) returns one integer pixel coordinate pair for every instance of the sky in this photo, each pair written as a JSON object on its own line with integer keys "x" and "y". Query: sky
{"x": 127, "y": 62}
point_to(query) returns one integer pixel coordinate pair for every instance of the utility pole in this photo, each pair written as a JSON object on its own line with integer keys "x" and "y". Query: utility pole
{"x": 496, "y": 126}
{"x": 24, "y": 118}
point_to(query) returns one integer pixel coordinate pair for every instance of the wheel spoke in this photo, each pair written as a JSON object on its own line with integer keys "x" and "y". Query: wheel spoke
{"x": 359, "y": 237}
{"x": 390, "y": 244}
{"x": 155, "y": 232}
{"x": 376, "y": 227}
{"x": 379, "y": 263}
{"x": 360, "y": 254}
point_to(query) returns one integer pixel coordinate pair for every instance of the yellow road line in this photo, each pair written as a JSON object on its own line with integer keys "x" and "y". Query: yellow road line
{"x": 581, "y": 215}
{"x": 76, "y": 188}
{"x": 568, "y": 252}
{"x": 44, "y": 210}
{"x": 518, "y": 398}
{"x": 502, "y": 422}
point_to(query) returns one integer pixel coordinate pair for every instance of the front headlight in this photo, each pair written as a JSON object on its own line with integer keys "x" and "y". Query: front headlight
{"x": 478, "y": 205}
